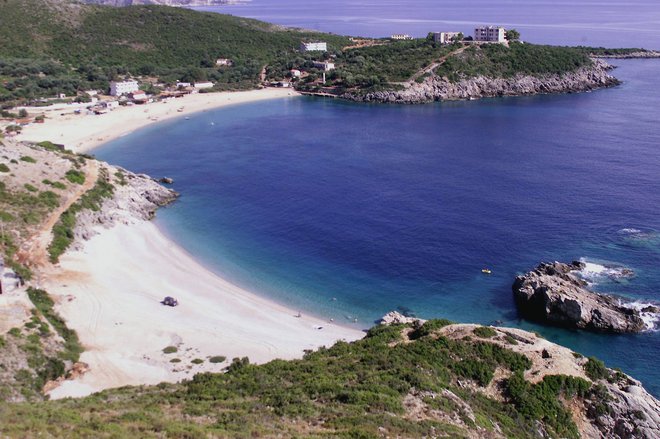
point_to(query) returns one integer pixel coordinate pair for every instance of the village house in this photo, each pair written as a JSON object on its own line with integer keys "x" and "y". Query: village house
{"x": 401, "y": 37}
{"x": 313, "y": 46}
{"x": 295, "y": 73}
{"x": 493, "y": 34}
{"x": 445, "y": 37}
{"x": 324, "y": 65}
{"x": 223, "y": 62}
{"x": 124, "y": 87}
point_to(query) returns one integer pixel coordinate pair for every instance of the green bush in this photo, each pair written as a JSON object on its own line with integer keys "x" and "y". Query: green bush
{"x": 595, "y": 369}
{"x": 28, "y": 159}
{"x": 217, "y": 359}
{"x": 197, "y": 361}
{"x": 75, "y": 176}
{"x": 170, "y": 350}
{"x": 30, "y": 188}
{"x": 6, "y": 216}
{"x": 484, "y": 332}
{"x": 4, "y": 168}
{"x": 58, "y": 185}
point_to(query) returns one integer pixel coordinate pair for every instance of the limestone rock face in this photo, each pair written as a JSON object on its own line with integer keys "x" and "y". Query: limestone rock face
{"x": 395, "y": 318}
{"x": 435, "y": 88}
{"x": 552, "y": 293}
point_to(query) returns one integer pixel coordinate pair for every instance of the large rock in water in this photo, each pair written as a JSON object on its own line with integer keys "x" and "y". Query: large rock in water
{"x": 553, "y": 293}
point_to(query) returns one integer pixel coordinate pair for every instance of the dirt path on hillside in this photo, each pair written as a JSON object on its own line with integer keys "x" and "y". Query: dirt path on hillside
{"x": 34, "y": 253}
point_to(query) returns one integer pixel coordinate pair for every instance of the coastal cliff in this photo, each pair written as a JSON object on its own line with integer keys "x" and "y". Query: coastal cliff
{"x": 436, "y": 88}
{"x": 163, "y": 2}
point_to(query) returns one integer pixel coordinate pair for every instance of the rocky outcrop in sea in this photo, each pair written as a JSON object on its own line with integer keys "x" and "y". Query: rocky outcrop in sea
{"x": 554, "y": 293}
{"x": 435, "y": 88}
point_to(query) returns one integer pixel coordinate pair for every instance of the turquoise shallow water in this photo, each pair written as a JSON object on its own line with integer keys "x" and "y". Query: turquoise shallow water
{"x": 349, "y": 211}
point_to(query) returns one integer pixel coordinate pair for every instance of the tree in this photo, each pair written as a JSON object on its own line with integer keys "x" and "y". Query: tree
{"x": 22, "y": 113}
{"x": 512, "y": 35}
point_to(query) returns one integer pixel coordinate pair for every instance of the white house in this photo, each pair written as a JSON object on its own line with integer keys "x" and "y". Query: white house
{"x": 313, "y": 46}
{"x": 494, "y": 34}
{"x": 401, "y": 37}
{"x": 445, "y": 37}
{"x": 324, "y": 65}
{"x": 201, "y": 85}
{"x": 183, "y": 84}
{"x": 295, "y": 73}
{"x": 223, "y": 62}
{"x": 123, "y": 87}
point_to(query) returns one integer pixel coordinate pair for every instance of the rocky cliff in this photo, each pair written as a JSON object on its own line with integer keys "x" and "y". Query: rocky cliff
{"x": 435, "y": 88}
{"x": 553, "y": 293}
{"x": 136, "y": 197}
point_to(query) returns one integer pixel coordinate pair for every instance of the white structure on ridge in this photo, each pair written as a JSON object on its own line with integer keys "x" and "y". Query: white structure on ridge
{"x": 401, "y": 37}
{"x": 495, "y": 34}
{"x": 123, "y": 87}
{"x": 314, "y": 46}
{"x": 445, "y": 37}
{"x": 200, "y": 85}
{"x": 324, "y": 65}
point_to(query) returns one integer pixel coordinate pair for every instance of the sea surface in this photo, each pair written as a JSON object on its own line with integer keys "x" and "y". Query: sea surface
{"x": 350, "y": 210}
{"x": 610, "y": 23}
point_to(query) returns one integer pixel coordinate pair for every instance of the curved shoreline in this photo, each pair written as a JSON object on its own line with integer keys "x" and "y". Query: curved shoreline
{"x": 109, "y": 290}
{"x": 82, "y": 133}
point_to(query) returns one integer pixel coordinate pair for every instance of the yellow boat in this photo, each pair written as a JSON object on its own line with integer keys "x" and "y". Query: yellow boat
{"x": 486, "y": 271}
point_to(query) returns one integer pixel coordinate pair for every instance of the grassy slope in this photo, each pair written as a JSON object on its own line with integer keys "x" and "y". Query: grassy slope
{"x": 351, "y": 390}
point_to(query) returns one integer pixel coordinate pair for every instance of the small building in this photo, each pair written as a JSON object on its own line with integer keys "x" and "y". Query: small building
{"x": 202, "y": 85}
{"x": 401, "y": 37}
{"x": 183, "y": 84}
{"x": 324, "y": 65}
{"x": 223, "y": 62}
{"x": 313, "y": 46}
{"x": 139, "y": 97}
{"x": 111, "y": 104}
{"x": 123, "y": 87}
{"x": 295, "y": 73}
{"x": 493, "y": 34}
{"x": 91, "y": 92}
{"x": 445, "y": 37}
{"x": 61, "y": 95}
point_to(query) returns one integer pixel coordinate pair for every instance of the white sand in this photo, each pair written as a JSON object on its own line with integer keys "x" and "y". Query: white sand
{"x": 81, "y": 133}
{"x": 110, "y": 291}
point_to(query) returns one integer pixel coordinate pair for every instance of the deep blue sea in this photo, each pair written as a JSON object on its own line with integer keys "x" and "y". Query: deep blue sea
{"x": 611, "y": 23}
{"x": 350, "y": 210}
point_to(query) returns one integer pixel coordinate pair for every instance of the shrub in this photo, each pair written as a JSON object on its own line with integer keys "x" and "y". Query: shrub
{"x": 28, "y": 159}
{"x": 6, "y": 216}
{"x": 595, "y": 369}
{"x": 75, "y": 176}
{"x": 217, "y": 359}
{"x": 484, "y": 332}
{"x": 15, "y": 332}
{"x": 509, "y": 339}
{"x": 170, "y": 350}
{"x": 4, "y": 167}
{"x": 58, "y": 185}
{"x": 29, "y": 187}
{"x": 197, "y": 361}
{"x": 175, "y": 360}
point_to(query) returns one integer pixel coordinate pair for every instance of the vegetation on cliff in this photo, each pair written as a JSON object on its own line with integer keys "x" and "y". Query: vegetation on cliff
{"x": 398, "y": 381}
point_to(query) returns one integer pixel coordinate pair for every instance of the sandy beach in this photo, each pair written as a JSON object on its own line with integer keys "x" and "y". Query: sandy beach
{"x": 82, "y": 132}
{"x": 110, "y": 290}
{"x": 110, "y": 293}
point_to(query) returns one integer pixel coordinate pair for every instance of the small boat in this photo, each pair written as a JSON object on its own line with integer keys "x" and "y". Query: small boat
{"x": 486, "y": 271}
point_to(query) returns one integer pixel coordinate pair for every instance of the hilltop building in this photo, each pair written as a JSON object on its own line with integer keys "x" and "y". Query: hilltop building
{"x": 493, "y": 34}
{"x": 124, "y": 87}
{"x": 223, "y": 62}
{"x": 324, "y": 65}
{"x": 445, "y": 37}
{"x": 401, "y": 37}
{"x": 314, "y": 46}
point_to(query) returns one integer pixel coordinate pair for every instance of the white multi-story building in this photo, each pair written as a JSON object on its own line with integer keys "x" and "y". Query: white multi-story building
{"x": 314, "y": 46}
{"x": 123, "y": 87}
{"x": 445, "y": 37}
{"x": 324, "y": 65}
{"x": 493, "y": 34}
{"x": 401, "y": 37}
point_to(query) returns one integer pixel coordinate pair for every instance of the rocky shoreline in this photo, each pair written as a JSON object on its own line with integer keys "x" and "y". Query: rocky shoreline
{"x": 553, "y": 293}
{"x": 435, "y": 88}
{"x": 632, "y": 55}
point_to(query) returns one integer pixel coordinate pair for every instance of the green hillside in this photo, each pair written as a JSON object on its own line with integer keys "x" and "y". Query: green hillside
{"x": 399, "y": 381}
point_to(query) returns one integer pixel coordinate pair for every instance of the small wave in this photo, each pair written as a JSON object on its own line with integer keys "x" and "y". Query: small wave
{"x": 594, "y": 271}
{"x": 651, "y": 319}
{"x": 629, "y": 231}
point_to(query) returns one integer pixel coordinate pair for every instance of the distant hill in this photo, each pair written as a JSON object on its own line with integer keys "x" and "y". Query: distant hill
{"x": 161, "y": 2}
